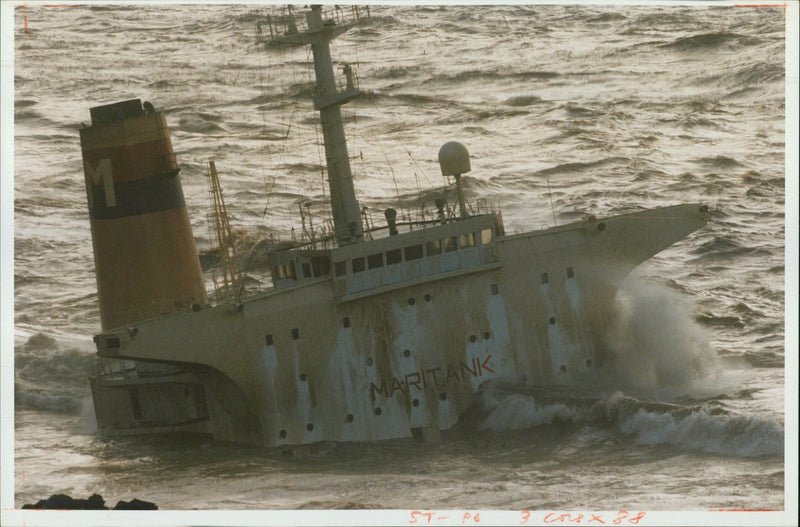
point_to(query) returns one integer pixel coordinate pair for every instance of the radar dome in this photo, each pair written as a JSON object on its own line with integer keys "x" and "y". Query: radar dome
{"x": 454, "y": 159}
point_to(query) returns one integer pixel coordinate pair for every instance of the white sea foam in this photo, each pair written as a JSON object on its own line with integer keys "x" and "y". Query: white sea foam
{"x": 518, "y": 411}
{"x": 698, "y": 429}
{"x": 746, "y": 436}
{"x": 655, "y": 345}
{"x": 88, "y": 421}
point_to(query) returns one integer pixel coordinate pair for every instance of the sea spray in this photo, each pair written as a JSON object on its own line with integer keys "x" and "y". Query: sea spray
{"x": 654, "y": 345}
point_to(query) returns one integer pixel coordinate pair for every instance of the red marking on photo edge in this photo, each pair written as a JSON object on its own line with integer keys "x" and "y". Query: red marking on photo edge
{"x": 742, "y": 510}
{"x": 783, "y": 5}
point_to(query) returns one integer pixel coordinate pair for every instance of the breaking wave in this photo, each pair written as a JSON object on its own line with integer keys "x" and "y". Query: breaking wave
{"x": 654, "y": 348}
{"x": 49, "y": 378}
{"x": 702, "y": 430}
{"x": 708, "y": 429}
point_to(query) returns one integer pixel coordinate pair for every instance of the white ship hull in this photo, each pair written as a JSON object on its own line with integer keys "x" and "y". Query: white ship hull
{"x": 393, "y": 352}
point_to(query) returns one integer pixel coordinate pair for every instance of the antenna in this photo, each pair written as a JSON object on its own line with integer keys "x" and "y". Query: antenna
{"x": 552, "y": 208}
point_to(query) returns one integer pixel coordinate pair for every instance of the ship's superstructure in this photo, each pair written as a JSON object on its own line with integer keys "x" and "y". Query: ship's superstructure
{"x": 365, "y": 337}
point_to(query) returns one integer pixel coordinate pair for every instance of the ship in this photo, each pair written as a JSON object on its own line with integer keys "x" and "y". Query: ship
{"x": 371, "y": 332}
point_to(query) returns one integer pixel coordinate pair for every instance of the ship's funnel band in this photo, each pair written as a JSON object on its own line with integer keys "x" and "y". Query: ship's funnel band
{"x": 134, "y": 198}
{"x": 145, "y": 256}
{"x": 131, "y": 161}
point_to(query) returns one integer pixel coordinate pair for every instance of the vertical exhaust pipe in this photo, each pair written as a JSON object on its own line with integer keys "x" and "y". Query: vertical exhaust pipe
{"x": 145, "y": 257}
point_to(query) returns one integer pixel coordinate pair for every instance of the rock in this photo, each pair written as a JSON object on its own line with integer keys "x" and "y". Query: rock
{"x": 94, "y": 502}
{"x": 135, "y": 505}
{"x": 64, "y": 502}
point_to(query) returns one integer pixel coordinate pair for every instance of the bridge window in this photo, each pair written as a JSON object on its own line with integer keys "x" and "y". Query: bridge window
{"x": 414, "y": 252}
{"x": 321, "y": 265}
{"x": 466, "y": 240}
{"x": 340, "y": 268}
{"x": 486, "y": 236}
{"x": 284, "y": 272}
{"x": 375, "y": 260}
{"x": 358, "y": 264}
{"x": 288, "y": 270}
{"x": 433, "y": 247}
{"x": 450, "y": 244}
{"x": 394, "y": 256}
{"x": 306, "y": 270}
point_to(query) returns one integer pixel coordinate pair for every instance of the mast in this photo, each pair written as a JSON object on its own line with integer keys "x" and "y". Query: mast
{"x": 327, "y": 100}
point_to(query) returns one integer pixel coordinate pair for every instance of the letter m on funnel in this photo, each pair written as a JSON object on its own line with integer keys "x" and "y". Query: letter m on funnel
{"x": 100, "y": 175}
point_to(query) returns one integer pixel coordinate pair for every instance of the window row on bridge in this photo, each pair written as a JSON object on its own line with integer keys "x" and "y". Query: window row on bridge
{"x": 414, "y": 252}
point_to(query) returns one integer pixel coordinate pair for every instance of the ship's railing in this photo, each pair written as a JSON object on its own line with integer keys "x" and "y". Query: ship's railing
{"x": 286, "y": 22}
{"x": 374, "y": 223}
{"x": 428, "y": 215}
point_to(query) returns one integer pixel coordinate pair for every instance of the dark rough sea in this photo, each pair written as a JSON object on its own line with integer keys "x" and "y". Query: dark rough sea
{"x": 567, "y": 110}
